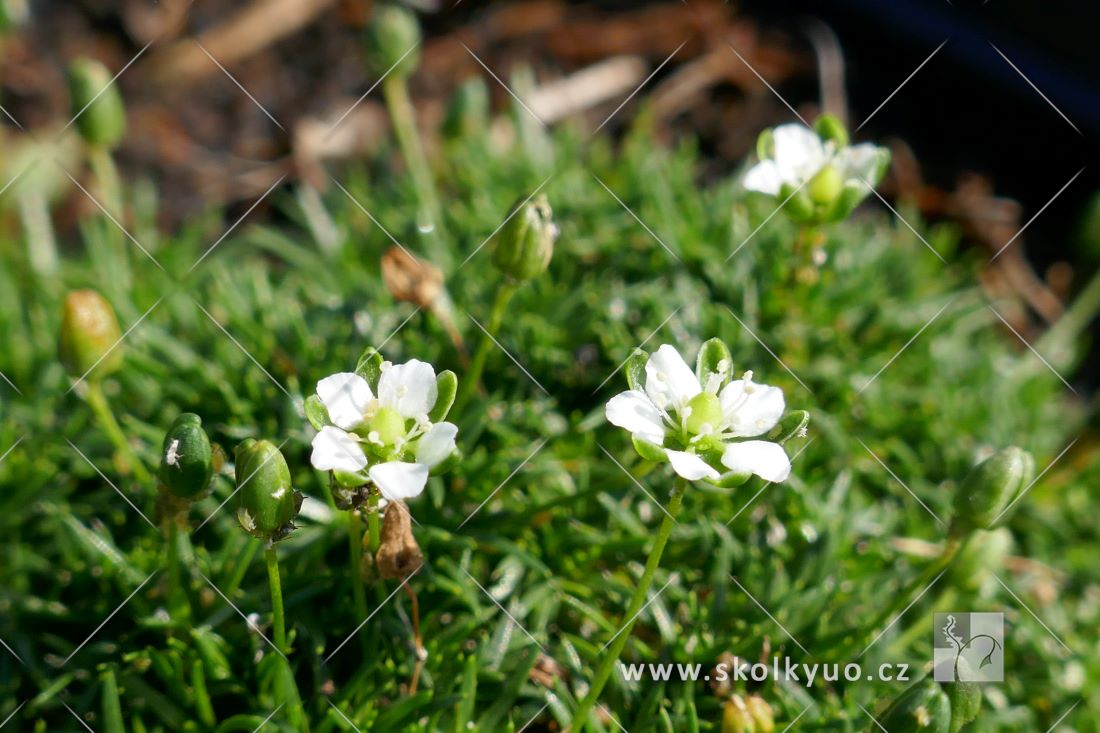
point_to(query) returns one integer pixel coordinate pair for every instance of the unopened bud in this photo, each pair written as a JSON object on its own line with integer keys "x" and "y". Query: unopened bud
{"x": 398, "y": 555}
{"x": 89, "y": 335}
{"x": 923, "y": 708}
{"x": 96, "y": 104}
{"x": 831, "y": 129}
{"x": 393, "y": 41}
{"x": 410, "y": 279}
{"x": 268, "y": 503}
{"x": 187, "y": 459}
{"x": 762, "y": 714}
{"x": 983, "y": 553}
{"x": 989, "y": 489}
{"x": 736, "y": 716}
{"x": 524, "y": 245}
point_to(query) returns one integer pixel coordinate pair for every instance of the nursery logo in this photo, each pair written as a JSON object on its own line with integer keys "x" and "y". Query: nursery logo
{"x": 968, "y": 647}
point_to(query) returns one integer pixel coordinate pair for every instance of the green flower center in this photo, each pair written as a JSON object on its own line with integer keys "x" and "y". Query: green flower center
{"x": 705, "y": 413}
{"x": 388, "y": 424}
{"x": 826, "y": 185}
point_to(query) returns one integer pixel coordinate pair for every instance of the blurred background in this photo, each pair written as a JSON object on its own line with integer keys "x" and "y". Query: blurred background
{"x": 990, "y": 107}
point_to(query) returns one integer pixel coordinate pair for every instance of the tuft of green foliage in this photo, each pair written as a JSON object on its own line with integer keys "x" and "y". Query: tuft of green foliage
{"x": 534, "y": 541}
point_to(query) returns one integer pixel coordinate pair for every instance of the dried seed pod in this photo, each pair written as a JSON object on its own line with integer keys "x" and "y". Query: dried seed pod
{"x": 398, "y": 555}
{"x": 410, "y": 279}
{"x": 89, "y": 334}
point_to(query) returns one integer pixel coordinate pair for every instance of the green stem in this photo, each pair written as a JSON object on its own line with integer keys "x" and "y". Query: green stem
{"x": 34, "y": 213}
{"x": 177, "y": 600}
{"x": 202, "y": 696}
{"x": 106, "y": 175}
{"x": 403, "y": 118}
{"x": 97, "y": 401}
{"x": 637, "y": 601}
{"x": 355, "y": 557}
{"x": 277, "y": 620}
{"x": 472, "y": 379}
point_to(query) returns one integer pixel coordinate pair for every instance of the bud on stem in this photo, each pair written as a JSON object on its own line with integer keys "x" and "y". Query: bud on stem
{"x": 524, "y": 245}
{"x": 268, "y": 503}
{"x": 89, "y": 333}
{"x": 96, "y": 104}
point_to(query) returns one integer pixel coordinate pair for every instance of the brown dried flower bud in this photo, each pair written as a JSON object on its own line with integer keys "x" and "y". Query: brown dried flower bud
{"x": 398, "y": 555}
{"x": 410, "y": 279}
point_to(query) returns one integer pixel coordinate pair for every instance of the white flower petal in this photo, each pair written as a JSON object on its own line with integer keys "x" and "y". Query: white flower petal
{"x": 799, "y": 153}
{"x": 763, "y": 177}
{"x": 861, "y": 162}
{"x": 398, "y": 480}
{"x": 436, "y": 444}
{"x": 408, "y": 388}
{"x": 335, "y": 450}
{"x": 669, "y": 381}
{"x": 690, "y": 466}
{"x": 767, "y": 460}
{"x": 634, "y": 411}
{"x": 750, "y": 409}
{"x": 346, "y": 396}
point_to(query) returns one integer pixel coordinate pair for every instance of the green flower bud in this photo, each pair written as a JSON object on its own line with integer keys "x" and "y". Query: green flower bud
{"x": 468, "y": 113}
{"x": 966, "y": 702}
{"x": 186, "y": 459}
{"x": 736, "y": 716}
{"x": 89, "y": 334}
{"x": 831, "y": 129}
{"x": 268, "y": 503}
{"x": 989, "y": 489}
{"x": 393, "y": 41}
{"x": 983, "y": 552}
{"x": 96, "y": 103}
{"x": 922, "y": 708}
{"x": 524, "y": 245}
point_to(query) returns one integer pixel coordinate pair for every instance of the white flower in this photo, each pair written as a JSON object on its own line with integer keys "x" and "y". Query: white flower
{"x": 824, "y": 179}
{"x": 690, "y": 420}
{"x": 389, "y": 436}
{"x": 800, "y": 154}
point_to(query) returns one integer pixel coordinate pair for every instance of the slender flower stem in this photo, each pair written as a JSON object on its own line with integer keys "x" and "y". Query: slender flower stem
{"x": 637, "y": 601}
{"x": 277, "y": 620}
{"x": 403, "y": 118}
{"x": 472, "y": 378}
{"x": 355, "y": 557}
{"x": 97, "y": 401}
{"x": 177, "y": 599}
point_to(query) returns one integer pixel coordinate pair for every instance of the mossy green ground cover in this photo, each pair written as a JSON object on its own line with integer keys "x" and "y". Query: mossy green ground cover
{"x": 906, "y": 369}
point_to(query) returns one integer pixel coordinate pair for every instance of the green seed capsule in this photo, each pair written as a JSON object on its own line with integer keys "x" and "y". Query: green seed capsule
{"x": 990, "y": 488}
{"x": 923, "y": 708}
{"x": 89, "y": 334}
{"x": 966, "y": 702}
{"x": 268, "y": 503}
{"x": 524, "y": 245}
{"x": 96, "y": 103}
{"x": 393, "y": 41}
{"x": 187, "y": 459}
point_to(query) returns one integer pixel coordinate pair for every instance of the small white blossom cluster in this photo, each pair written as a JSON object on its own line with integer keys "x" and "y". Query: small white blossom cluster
{"x": 392, "y": 436}
{"x": 818, "y": 176}
{"x": 702, "y": 422}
